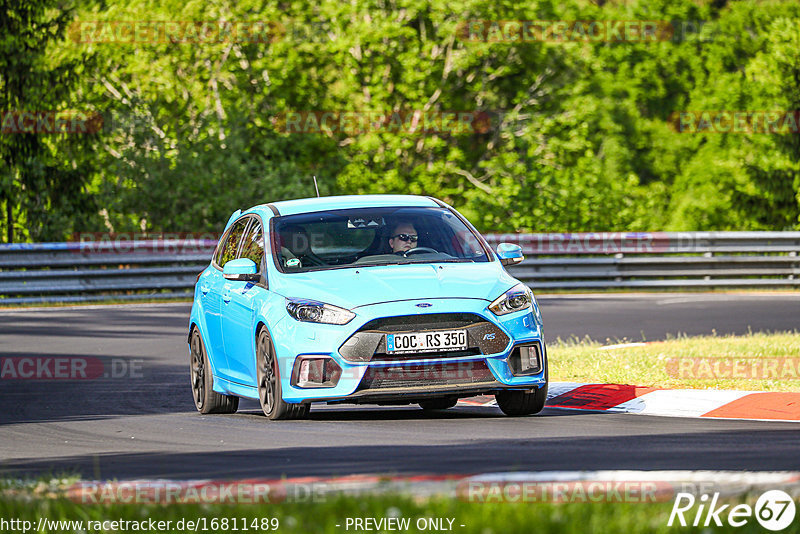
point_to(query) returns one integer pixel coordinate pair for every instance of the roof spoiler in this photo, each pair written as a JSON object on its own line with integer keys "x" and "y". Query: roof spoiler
{"x": 233, "y": 218}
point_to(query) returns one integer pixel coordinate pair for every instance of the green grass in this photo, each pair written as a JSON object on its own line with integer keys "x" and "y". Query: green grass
{"x": 313, "y": 517}
{"x": 686, "y": 362}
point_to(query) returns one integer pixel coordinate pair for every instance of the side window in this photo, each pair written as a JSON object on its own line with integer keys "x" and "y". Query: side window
{"x": 227, "y": 251}
{"x": 253, "y": 244}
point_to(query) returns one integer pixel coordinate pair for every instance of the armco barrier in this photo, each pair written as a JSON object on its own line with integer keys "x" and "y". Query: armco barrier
{"x": 101, "y": 270}
{"x": 167, "y": 268}
{"x": 657, "y": 259}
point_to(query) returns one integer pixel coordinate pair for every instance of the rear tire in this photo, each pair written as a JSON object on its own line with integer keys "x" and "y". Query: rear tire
{"x": 438, "y": 404}
{"x": 206, "y": 400}
{"x": 269, "y": 383}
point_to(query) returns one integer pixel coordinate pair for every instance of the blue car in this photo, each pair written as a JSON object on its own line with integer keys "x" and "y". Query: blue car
{"x": 381, "y": 299}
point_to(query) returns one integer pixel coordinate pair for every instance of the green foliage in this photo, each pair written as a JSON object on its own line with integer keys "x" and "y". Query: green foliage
{"x": 495, "y": 509}
{"x": 43, "y": 177}
{"x": 580, "y": 136}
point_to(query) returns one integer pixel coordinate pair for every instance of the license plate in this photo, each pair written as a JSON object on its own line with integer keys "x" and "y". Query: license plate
{"x": 442, "y": 340}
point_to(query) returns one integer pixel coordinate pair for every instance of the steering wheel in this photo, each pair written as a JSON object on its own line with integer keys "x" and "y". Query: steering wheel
{"x": 419, "y": 250}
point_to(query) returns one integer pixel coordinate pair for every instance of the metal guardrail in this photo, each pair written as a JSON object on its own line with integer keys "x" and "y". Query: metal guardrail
{"x": 101, "y": 270}
{"x": 657, "y": 260}
{"x": 134, "y": 270}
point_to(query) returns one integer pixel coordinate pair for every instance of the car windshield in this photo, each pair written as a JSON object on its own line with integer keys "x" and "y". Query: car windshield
{"x": 372, "y": 236}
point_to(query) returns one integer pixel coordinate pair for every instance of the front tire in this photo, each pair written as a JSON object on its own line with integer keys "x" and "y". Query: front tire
{"x": 269, "y": 383}
{"x": 206, "y": 400}
{"x": 522, "y": 402}
{"x": 516, "y": 403}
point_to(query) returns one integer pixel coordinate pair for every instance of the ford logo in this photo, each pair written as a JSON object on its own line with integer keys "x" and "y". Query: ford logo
{"x": 424, "y": 305}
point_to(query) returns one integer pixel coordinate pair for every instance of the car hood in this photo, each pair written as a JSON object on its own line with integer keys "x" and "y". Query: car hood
{"x": 362, "y": 286}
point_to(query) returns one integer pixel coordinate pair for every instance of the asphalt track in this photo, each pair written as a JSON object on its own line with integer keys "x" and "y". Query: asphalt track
{"x": 143, "y": 423}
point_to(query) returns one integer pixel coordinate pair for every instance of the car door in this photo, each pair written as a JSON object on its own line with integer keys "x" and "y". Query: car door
{"x": 212, "y": 285}
{"x": 239, "y": 301}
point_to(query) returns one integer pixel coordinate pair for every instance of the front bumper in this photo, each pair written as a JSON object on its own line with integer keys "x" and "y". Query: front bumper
{"x": 482, "y": 370}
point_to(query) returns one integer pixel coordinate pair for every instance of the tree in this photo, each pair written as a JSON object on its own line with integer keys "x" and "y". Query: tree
{"x": 43, "y": 174}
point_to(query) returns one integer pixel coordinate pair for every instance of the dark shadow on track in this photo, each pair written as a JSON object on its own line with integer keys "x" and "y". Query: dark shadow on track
{"x": 132, "y": 386}
{"x": 411, "y": 413}
{"x": 109, "y": 322}
{"x": 142, "y": 351}
{"x": 723, "y": 450}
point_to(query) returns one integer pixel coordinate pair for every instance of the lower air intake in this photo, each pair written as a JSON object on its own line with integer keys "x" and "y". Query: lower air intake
{"x": 426, "y": 375}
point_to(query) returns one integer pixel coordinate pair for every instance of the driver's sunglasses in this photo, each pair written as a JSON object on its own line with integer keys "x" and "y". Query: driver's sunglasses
{"x": 406, "y": 237}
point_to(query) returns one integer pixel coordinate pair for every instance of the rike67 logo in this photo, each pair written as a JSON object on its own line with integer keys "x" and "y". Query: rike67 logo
{"x": 774, "y": 510}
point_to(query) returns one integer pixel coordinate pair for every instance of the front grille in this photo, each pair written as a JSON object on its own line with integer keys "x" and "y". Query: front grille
{"x": 426, "y": 375}
{"x": 423, "y": 321}
{"x": 369, "y": 342}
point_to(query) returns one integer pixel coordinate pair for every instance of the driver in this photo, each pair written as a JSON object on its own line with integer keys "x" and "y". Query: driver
{"x": 403, "y": 237}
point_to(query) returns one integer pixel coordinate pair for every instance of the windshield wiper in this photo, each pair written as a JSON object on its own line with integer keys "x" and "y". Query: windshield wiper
{"x": 385, "y": 263}
{"x": 377, "y": 264}
{"x": 444, "y": 260}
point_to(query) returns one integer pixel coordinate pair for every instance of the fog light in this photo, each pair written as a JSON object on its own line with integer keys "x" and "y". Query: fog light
{"x": 304, "y": 367}
{"x": 529, "y": 358}
{"x": 525, "y": 360}
{"x": 315, "y": 372}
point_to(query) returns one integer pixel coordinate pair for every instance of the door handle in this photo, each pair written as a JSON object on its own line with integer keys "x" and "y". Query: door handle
{"x": 205, "y": 288}
{"x": 226, "y": 297}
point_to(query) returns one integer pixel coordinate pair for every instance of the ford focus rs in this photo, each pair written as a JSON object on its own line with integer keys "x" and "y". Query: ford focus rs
{"x": 383, "y": 299}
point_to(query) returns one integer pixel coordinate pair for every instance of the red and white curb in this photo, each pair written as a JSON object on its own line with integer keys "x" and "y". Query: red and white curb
{"x": 708, "y": 403}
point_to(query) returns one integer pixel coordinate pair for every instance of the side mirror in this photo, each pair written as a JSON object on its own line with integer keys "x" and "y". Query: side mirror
{"x": 509, "y": 254}
{"x": 242, "y": 270}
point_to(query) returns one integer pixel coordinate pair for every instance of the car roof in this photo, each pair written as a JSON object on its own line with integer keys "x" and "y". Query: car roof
{"x": 306, "y": 205}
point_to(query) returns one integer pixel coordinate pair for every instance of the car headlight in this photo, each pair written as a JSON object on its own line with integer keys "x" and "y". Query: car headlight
{"x": 515, "y": 299}
{"x": 311, "y": 311}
